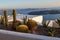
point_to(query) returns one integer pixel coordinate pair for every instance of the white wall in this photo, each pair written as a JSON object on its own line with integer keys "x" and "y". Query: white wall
{"x": 38, "y": 19}
{"x": 53, "y": 24}
{"x": 10, "y": 35}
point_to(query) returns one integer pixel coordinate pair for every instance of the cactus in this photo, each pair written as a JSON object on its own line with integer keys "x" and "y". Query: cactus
{"x": 32, "y": 25}
{"x": 51, "y": 31}
{"x": 14, "y": 19}
{"x": 14, "y": 15}
{"x": 6, "y": 17}
{"x": 22, "y": 28}
{"x": 45, "y": 24}
{"x": 25, "y": 20}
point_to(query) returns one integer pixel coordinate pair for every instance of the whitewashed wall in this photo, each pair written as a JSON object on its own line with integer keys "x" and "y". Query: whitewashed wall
{"x": 53, "y": 24}
{"x": 9, "y": 35}
{"x": 38, "y": 19}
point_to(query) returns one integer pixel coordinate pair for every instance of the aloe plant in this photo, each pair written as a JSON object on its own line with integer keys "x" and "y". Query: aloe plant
{"x": 45, "y": 24}
{"x": 51, "y": 31}
{"x": 2, "y": 20}
{"x": 25, "y": 20}
{"x": 58, "y": 21}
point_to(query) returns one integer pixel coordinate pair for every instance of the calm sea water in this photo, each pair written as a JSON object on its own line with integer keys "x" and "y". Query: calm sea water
{"x": 51, "y": 16}
{"x": 45, "y": 17}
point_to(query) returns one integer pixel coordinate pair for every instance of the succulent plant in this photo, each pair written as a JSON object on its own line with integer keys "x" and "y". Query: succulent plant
{"x": 58, "y": 21}
{"x": 45, "y": 23}
{"x": 22, "y": 28}
{"x": 14, "y": 18}
{"x": 14, "y": 15}
{"x": 51, "y": 31}
{"x": 6, "y": 17}
{"x": 1, "y": 19}
{"x": 32, "y": 24}
{"x": 25, "y": 20}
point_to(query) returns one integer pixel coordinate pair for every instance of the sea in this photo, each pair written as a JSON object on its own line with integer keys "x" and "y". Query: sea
{"x": 26, "y": 11}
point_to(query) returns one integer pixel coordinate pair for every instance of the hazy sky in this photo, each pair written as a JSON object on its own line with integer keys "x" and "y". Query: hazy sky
{"x": 29, "y": 3}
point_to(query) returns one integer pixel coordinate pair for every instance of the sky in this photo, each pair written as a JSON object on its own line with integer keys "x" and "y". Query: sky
{"x": 29, "y": 3}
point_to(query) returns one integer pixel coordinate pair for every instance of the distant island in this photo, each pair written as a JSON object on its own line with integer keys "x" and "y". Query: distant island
{"x": 44, "y": 12}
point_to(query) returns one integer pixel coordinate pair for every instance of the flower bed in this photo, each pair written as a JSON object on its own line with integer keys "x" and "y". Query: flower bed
{"x": 45, "y": 31}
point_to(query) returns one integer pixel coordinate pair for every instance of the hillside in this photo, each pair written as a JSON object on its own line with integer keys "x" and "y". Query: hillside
{"x": 44, "y": 12}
